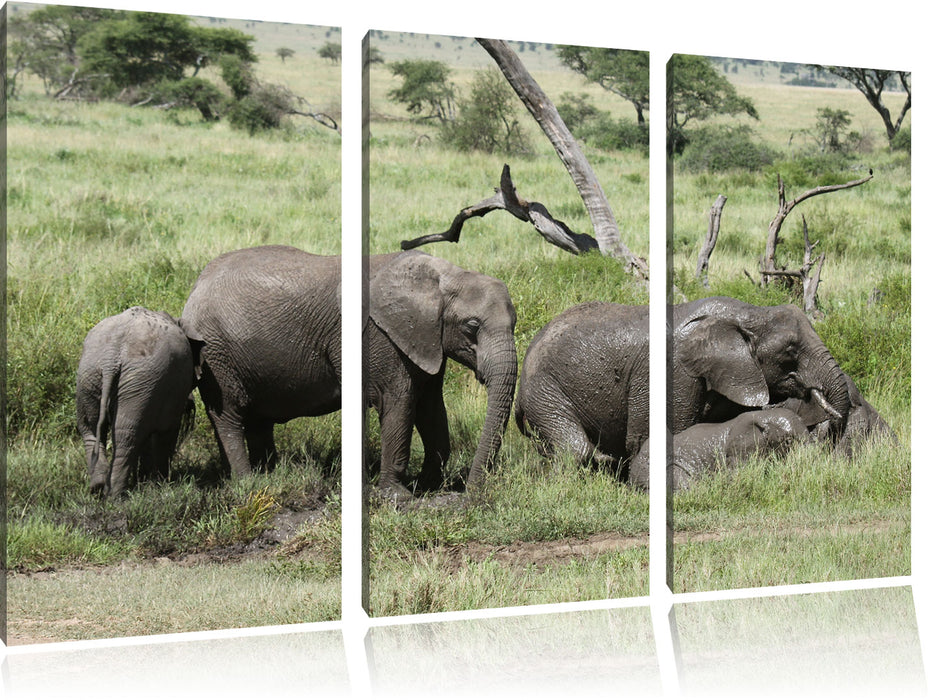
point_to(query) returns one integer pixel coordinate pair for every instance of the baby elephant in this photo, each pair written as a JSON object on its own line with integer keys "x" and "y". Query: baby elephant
{"x": 135, "y": 379}
{"x": 702, "y": 447}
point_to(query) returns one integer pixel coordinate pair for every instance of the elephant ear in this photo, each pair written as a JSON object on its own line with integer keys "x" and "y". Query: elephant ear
{"x": 406, "y": 304}
{"x": 718, "y": 351}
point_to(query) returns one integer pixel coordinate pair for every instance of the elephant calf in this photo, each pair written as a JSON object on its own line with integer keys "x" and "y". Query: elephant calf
{"x": 135, "y": 379}
{"x": 705, "y": 446}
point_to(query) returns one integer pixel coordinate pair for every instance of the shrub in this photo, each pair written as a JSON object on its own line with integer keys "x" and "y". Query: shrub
{"x": 901, "y": 140}
{"x": 487, "y": 121}
{"x": 264, "y": 108}
{"x": 817, "y": 169}
{"x": 722, "y": 148}
{"x": 597, "y": 128}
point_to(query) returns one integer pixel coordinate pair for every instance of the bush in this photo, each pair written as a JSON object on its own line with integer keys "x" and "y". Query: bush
{"x": 487, "y": 121}
{"x": 264, "y": 108}
{"x": 901, "y": 140}
{"x": 722, "y": 148}
{"x": 597, "y": 128}
{"x": 817, "y": 169}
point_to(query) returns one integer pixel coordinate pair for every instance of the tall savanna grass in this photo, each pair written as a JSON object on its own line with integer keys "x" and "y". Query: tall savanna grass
{"x": 814, "y": 515}
{"x": 435, "y": 558}
{"x": 112, "y": 206}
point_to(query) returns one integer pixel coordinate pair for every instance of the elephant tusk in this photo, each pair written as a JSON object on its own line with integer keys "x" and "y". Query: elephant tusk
{"x": 822, "y": 401}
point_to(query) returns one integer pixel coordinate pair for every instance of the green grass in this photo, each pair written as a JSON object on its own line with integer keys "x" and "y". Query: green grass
{"x": 112, "y": 206}
{"x": 813, "y": 516}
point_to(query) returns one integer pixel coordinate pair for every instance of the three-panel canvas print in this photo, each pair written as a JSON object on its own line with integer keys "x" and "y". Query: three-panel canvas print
{"x": 175, "y": 316}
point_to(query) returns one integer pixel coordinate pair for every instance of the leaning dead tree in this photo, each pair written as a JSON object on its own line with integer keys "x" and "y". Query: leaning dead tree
{"x": 506, "y": 197}
{"x": 547, "y": 116}
{"x": 711, "y": 237}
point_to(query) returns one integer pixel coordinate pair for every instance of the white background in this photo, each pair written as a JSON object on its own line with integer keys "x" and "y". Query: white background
{"x": 881, "y": 35}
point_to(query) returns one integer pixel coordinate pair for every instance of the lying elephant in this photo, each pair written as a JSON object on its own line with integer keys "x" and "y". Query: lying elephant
{"x": 863, "y": 420}
{"x": 270, "y": 318}
{"x": 135, "y": 379}
{"x": 704, "y": 447}
{"x": 584, "y": 385}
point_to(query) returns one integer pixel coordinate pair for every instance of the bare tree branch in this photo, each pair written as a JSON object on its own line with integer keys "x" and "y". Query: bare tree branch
{"x": 505, "y": 197}
{"x": 783, "y": 210}
{"x": 547, "y": 116}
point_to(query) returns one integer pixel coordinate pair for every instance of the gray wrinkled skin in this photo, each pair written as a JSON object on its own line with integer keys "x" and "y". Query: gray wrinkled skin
{"x": 270, "y": 319}
{"x": 705, "y": 447}
{"x": 271, "y": 324}
{"x": 584, "y": 384}
{"x": 423, "y": 311}
{"x": 134, "y": 382}
{"x": 863, "y": 421}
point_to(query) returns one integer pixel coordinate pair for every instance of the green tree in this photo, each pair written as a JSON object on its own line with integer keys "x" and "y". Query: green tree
{"x": 284, "y": 53}
{"x": 331, "y": 51}
{"x": 830, "y": 123}
{"x": 146, "y": 47}
{"x": 622, "y": 72}
{"x": 373, "y": 56}
{"x": 872, "y": 84}
{"x": 695, "y": 92}
{"x": 487, "y": 120}
{"x": 44, "y": 42}
{"x": 426, "y": 90}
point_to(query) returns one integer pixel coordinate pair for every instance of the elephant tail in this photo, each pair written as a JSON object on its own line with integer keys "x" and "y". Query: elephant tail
{"x": 520, "y": 419}
{"x": 109, "y": 382}
{"x": 188, "y": 420}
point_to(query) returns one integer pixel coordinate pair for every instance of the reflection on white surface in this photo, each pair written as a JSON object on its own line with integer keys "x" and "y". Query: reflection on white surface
{"x": 591, "y": 654}
{"x": 276, "y": 666}
{"x": 842, "y": 644}
{"x": 851, "y": 643}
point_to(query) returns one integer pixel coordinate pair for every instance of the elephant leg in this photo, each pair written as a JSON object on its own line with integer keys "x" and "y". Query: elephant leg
{"x": 229, "y": 433}
{"x": 154, "y": 462}
{"x": 396, "y": 432}
{"x": 261, "y": 447}
{"x": 127, "y": 451}
{"x": 431, "y": 421}
{"x": 571, "y": 437}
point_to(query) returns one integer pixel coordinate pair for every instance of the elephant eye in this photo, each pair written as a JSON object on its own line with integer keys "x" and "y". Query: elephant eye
{"x": 471, "y": 326}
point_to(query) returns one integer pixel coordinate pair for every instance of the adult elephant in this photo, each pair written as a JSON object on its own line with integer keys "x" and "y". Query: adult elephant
{"x": 585, "y": 385}
{"x": 423, "y": 311}
{"x": 271, "y": 324}
{"x": 134, "y": 383}
{"x": 270, "y": 319}
{"x": 862, "y": 423}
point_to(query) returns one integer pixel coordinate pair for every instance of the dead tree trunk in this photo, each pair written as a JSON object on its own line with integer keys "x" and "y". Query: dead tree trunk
{"x": 808, "y": 276}
{"x": 711, "y": 236}
{"x": 506, "y": 197}
{"x": 546, "y": 115}
{"x": 769, "y": 263}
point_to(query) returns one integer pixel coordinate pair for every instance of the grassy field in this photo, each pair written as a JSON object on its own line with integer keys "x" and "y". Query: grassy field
{"x": 812, "y": 516}
{"x": 112, "y": 206}
{"x": 512, "y": 547}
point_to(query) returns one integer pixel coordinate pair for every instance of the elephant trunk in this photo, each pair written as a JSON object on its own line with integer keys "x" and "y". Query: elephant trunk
{"x": 826, "y": 384}
{"x": 497, "y": 370}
